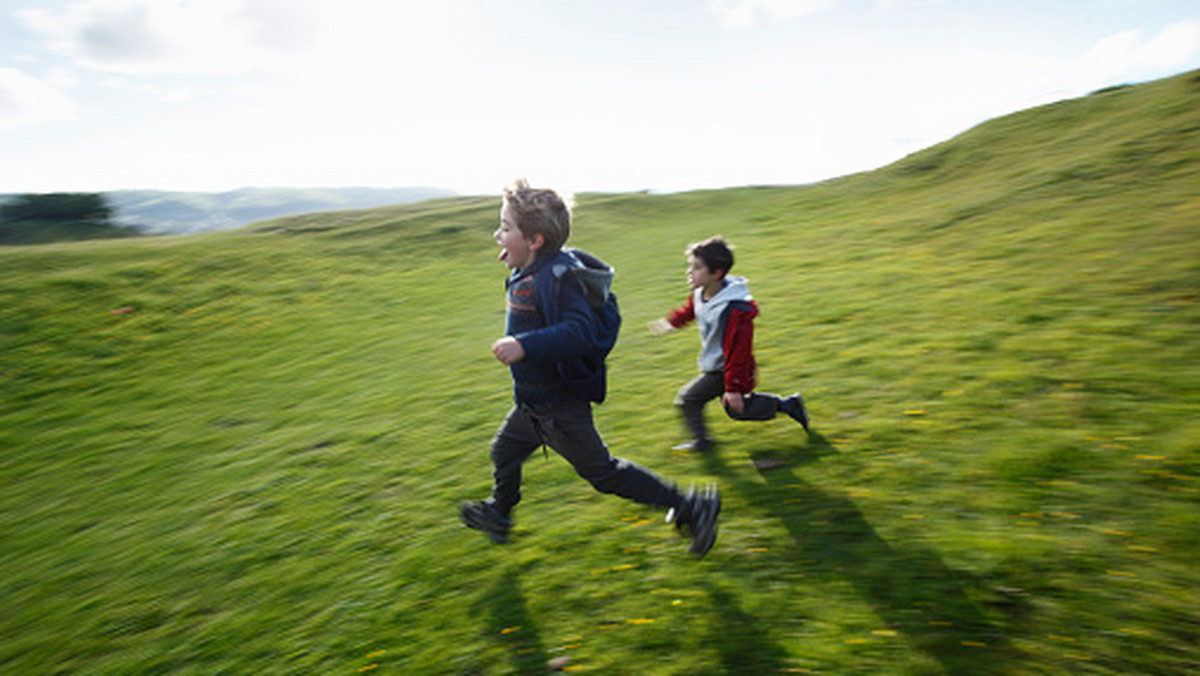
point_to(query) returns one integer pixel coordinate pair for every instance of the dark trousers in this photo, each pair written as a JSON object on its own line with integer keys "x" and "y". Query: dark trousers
{"x": 567, "y": 427}
{"x": 711, "y": 385}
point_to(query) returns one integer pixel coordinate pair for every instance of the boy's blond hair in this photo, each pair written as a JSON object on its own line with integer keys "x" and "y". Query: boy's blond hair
{"x": 540, "y": 212}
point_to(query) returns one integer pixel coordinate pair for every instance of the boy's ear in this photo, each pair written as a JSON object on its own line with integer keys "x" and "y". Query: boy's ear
{"x": 720, "y": 274}
{"x": 538, "y": 241}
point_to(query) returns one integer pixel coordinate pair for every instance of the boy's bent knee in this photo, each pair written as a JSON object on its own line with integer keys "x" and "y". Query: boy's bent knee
{"x": 609, "y": 480}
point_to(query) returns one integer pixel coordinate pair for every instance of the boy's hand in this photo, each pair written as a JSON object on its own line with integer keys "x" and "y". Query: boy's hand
{"x": 734, "y": 401}
{"x": 660, "y": 327}
{"x": 508, "y": 350}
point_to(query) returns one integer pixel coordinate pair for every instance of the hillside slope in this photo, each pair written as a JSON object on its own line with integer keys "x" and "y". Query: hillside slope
{"x": 243, "y": 451}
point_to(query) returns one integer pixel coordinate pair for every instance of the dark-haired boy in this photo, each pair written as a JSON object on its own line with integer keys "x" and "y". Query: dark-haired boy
{"x": 724, "y": 310}
{"x": 551, "y": 331}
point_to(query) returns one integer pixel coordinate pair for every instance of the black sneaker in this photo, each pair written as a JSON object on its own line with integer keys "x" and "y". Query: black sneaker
{"x": 794, "y": 406}
{"x": 482, "y": 515}
{"x": 698, "y": 515}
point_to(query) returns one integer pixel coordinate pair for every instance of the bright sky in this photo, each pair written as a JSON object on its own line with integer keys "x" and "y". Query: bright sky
{"x": 579, "y": 95}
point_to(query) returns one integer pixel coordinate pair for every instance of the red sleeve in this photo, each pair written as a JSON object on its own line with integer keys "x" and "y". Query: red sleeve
{"x": 739, "y": 350}
{"x": 683, "y": 314}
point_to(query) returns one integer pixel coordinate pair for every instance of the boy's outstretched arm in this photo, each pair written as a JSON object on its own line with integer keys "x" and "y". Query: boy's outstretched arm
{"x": 660, "y": 327}
{"x": 674, "y": 320}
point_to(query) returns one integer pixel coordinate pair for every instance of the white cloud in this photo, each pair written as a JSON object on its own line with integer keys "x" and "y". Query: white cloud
{"x": 25, "y": 100}
{"x": 1128, "y": 57}
{"x": 341, "y": 53}
{"x": 62, "y": 78}
{"x": 745, "y": 13}
{"x": 899, "y": 5}
{"x": 164, "y": 36}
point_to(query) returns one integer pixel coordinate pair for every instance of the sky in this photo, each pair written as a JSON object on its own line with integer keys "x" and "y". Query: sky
{"x": 578, "y": 95}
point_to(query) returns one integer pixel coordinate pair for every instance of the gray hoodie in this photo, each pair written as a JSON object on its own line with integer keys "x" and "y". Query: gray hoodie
{"x": 710, "y": 319}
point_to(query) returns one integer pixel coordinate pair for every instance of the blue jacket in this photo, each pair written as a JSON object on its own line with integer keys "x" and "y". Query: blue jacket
{"x": 582, "y": 320}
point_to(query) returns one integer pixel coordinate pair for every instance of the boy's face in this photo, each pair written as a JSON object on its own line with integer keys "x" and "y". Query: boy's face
{"x": 699, "y": 275}
{"x": 516, "y": 251}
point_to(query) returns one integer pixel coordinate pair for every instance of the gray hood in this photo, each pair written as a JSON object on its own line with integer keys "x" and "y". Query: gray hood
{"x": 595, "y": 275}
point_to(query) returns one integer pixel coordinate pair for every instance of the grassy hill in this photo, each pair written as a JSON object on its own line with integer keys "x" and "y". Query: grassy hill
{"x": 243, "y": 452}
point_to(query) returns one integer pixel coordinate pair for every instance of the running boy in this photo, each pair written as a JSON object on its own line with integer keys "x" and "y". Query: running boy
{"x": 549, "y": 342}
{"x": 724, "y": 311}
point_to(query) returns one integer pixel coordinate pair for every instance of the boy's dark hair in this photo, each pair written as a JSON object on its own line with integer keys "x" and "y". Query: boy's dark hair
{"x": 540, "y": 212}
{"x": 716, "y": 254}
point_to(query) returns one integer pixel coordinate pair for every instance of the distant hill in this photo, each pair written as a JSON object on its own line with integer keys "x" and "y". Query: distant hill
{"x": 173, "y": 212}
{"x": 166, "y": 212}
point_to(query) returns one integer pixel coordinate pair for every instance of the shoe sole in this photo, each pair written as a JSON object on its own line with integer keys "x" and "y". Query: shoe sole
{"x": 487, "y": 528}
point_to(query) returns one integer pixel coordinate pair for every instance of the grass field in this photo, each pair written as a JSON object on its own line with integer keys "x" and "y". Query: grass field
{"x": 243, "y": 453}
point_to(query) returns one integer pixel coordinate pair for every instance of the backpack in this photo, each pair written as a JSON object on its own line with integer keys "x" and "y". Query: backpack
{"x": 586, "y": 375}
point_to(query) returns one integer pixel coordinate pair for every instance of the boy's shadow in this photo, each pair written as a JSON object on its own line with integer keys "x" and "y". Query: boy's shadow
{"x": 509, "y": 621}
{"x": 740, "y": 639}
{"x": 911, "y": 589}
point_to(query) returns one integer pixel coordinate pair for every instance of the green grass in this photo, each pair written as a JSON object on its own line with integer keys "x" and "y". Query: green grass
{"x": 243, "y": 452}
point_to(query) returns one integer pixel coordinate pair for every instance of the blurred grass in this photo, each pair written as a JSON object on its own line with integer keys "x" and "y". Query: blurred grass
{"x": 243, "y": 452}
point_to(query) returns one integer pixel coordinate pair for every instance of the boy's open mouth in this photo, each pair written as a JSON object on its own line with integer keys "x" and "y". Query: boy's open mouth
{"x": 503, "y": 254}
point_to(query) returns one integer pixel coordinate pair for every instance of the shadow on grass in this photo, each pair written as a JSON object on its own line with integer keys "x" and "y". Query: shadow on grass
{"x": 510, "y": 623}
{"x": 910, "y": 588}
{"x": 742, "y": 641}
